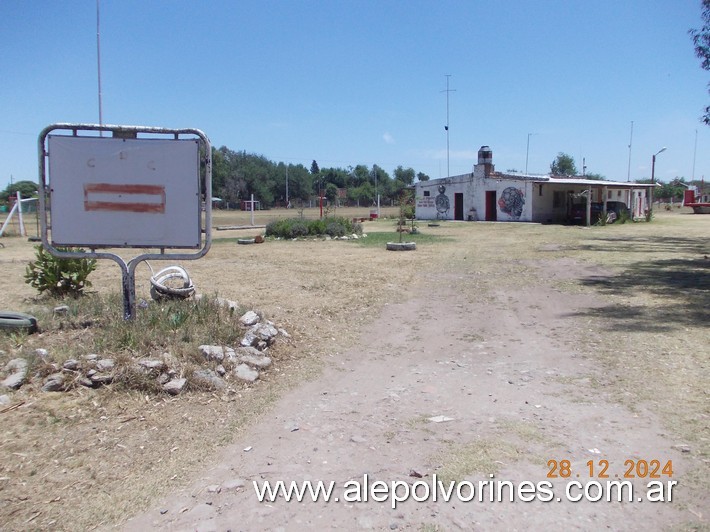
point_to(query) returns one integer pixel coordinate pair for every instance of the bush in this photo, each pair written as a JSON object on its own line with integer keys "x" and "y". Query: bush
{"x": 317, "y": 227}
{"x": 288, "y": 228}
{"x": 59, "y": 277}
{"x": 295, "y": 227}
{"x": 335, "y": 229}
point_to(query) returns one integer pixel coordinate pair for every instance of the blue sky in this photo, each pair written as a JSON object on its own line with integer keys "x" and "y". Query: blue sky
{"x": 361, "y": 82}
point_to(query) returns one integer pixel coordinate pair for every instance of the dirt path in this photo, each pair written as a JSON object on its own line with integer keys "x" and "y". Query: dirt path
{"x": 505, "y": 365}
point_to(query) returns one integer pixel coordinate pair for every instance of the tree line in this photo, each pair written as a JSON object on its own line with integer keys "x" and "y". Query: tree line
{"x": 236, "y": 175}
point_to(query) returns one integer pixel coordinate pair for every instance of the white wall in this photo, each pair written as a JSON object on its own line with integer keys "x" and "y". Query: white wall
{"x": 512, "y": 198}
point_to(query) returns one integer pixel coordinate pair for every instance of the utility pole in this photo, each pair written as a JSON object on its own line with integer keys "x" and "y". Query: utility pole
{"x": 628, "y": 172}
{"x": 447, "y": 91}
{"x": 527, "y": 152}
{"x": 98, "y": 62}
{"x": 695, "y": 152}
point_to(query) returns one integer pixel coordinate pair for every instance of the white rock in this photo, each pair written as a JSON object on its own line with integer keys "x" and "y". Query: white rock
{"x": 212, "y": 352}
{"x": 17, "y": 369}
{"x": 105, "y": 364}
{"x": 71, "y": 364}
{"x": 250, "y": 339}
{"x": 206, "y": 378}
{"x": 152, "y": 365}
{"x": 249, "y": 318}
{"x": 53, "y": 383}
{"x": 246, "y": 373}
{"x": 175, "y": 386}
{"x": 260, "y": 361}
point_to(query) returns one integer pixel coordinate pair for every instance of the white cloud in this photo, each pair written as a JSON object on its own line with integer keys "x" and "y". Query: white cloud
{"x": 389, "y": 139}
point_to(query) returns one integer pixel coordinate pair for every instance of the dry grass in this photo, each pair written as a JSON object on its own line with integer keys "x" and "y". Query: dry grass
{"x": 85, "y": 458}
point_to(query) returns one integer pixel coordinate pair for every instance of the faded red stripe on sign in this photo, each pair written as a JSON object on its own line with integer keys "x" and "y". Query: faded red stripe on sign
{"x": 123, "y": 194}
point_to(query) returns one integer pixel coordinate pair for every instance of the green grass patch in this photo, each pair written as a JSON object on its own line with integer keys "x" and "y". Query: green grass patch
{"x": 381, "y": 239}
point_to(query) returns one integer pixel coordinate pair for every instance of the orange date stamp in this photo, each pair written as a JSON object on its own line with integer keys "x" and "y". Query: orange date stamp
{"x": 653, "y": 469}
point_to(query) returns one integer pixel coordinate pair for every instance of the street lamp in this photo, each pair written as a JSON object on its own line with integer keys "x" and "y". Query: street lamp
{"x": 653, "y": 180}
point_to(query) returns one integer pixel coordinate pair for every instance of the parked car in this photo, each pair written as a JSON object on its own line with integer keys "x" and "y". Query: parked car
{"x": 614, "y": 209}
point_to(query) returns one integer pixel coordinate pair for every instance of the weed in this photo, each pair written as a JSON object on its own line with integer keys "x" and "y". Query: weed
{"x": 59, "y": 277}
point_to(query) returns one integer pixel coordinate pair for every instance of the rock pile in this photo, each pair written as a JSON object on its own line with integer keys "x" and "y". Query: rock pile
{"x": 222, "y": 364}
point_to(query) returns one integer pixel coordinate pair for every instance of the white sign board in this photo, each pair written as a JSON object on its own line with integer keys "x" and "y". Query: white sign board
{"x": 113, "y": 192}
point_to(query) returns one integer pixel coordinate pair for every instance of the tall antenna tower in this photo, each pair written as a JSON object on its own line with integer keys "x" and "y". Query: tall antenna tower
{"x": 447, "y": 91}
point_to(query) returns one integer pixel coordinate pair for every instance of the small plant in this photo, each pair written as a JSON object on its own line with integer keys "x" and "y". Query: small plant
{"x": 649, "y": 215}
{"x": 59, "y": 277}
{"x": 406, "y": 211}
{"x": 624, "y": 216}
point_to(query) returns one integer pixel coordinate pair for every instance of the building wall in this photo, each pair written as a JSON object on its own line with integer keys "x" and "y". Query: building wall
{"x": 519, "y": 200}
{"x": 550, "y": 203}
{"x": 436, "y": 199}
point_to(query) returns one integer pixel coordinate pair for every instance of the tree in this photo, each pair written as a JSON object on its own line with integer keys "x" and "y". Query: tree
{"x": 701, "y": 40}
{"x": 300, "y": 182}
{"x": 563, "y": 165}
{"x": 27, "y": 189}
{"x": 359, "y": 175}
{"x": 314, "y": 168}
{"x": 331, "y": 192}
{"x": 421, "y": 176}
{"x": 405, "y": 175}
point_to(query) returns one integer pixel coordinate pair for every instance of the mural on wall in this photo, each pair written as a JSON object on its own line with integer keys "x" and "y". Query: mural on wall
{"x": 511, "y": 202}
{"x": 442, "y": 204}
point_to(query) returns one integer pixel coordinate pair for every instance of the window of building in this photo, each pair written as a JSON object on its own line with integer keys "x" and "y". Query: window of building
{"x": 426, "y": 193}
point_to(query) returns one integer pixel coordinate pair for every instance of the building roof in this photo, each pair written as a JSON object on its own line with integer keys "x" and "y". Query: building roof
{"x": 598, "y": 182}
{"x": 572, "y": 180}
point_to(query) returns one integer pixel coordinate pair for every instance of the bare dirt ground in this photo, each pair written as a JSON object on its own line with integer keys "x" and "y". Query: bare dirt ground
{"x": 537, "y": 343}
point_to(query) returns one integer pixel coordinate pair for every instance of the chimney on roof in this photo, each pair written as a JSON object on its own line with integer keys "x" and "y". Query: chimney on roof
{"x": 485, "y": 160}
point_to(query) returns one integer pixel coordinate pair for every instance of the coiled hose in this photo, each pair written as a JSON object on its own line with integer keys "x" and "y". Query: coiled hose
{"x": 160, "y": 290}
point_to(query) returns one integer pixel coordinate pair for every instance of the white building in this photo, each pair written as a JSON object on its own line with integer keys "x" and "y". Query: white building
{"x": 488, "y": 195}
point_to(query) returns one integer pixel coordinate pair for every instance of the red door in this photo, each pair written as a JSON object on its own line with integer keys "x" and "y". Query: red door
{"x": 491, "y": 206}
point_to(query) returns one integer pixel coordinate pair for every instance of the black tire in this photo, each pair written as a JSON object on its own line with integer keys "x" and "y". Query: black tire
{"x": 17, "y": 321}
{"x": 401, "y": 246}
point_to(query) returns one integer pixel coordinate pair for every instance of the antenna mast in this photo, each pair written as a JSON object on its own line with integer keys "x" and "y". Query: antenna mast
{"x": 447, "y": 91}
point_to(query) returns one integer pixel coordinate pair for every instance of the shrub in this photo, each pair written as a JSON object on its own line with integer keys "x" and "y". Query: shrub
{"x": 287, "y": 228}
{"x": 335, "y": 229}
{"x": 59, "y": 277}
{"x": 297, "y": 228}
{"x": 317, "y": 227}
{"x": 294, "y": 227}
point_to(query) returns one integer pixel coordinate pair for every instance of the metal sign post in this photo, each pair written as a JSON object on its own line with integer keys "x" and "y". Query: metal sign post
{"x": 142, "y": 187}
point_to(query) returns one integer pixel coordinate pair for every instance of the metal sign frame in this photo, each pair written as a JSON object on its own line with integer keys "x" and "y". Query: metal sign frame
{"x": 100, "y": 192}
